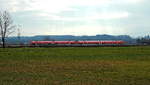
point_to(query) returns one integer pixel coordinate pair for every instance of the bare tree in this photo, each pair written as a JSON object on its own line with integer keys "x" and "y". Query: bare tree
{"x": 6, "y": 26}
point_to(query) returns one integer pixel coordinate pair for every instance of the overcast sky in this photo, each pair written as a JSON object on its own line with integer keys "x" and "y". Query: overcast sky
{"x": 80, "y": 17}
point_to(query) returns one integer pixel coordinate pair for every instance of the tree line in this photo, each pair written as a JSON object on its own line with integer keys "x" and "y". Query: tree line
{"x": 144, "y": 40}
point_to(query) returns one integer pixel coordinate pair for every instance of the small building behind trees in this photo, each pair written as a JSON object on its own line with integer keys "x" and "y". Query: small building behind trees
{"x": 144, "y": 40}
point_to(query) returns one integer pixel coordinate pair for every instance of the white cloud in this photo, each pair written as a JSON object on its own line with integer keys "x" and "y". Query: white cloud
{"x": 14, "y": 5}
{"x": 86, "y": 30}
{"x": 92, "y": 16}
{"x": 55, "y": 6}
{"x": 52, "y": 9}
{"x": 109, "y": 15}
{"x": 132, "y": 1}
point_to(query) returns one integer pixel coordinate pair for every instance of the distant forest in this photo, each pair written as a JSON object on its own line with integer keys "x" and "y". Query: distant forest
{"x": 26, "y": 40}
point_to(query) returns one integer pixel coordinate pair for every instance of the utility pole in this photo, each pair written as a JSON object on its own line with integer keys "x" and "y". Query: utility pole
{"x": 19, "y": 35}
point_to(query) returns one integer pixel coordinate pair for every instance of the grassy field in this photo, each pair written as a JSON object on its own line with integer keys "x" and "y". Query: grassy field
{"x": 75, "y": 66}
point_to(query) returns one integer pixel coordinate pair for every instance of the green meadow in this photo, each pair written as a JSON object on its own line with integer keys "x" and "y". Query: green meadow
{"x": 75, "y": 66}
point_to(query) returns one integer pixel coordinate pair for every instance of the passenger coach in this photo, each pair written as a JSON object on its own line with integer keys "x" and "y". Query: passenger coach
{"x": 75, "y": 43}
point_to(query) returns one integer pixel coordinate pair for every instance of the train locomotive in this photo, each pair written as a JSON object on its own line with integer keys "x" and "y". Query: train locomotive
{"x": 76, "y": 43}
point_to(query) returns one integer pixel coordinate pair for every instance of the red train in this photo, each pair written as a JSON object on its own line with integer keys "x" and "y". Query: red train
{"x": 52, "y": 43}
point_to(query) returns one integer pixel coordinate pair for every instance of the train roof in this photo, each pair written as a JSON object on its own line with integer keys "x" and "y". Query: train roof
{"x": 77, "y": 42}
